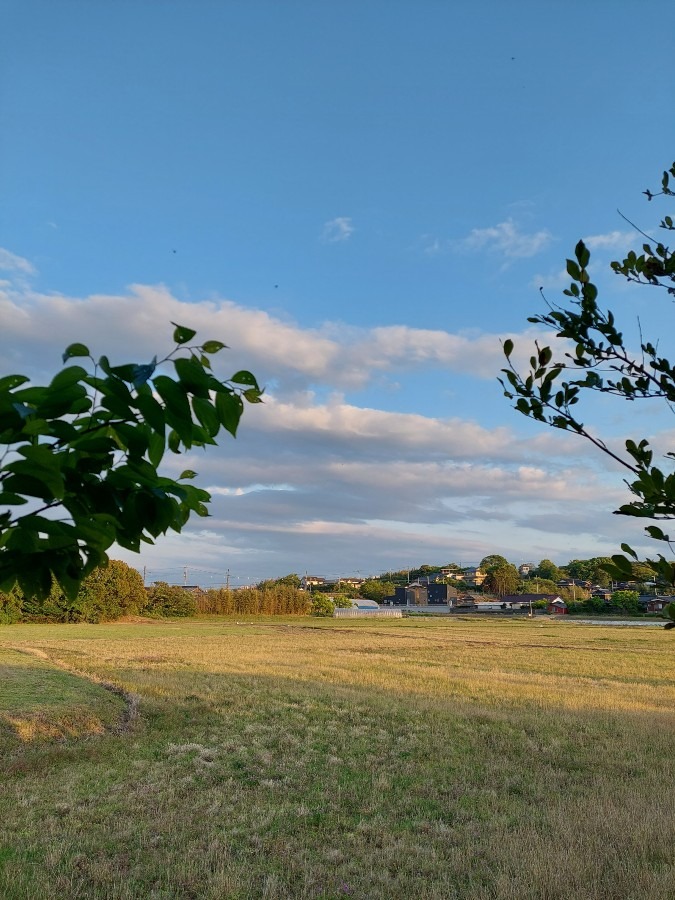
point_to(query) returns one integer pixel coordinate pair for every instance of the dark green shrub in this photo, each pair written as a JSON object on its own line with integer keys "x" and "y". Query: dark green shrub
{"x": 169, "y": 600}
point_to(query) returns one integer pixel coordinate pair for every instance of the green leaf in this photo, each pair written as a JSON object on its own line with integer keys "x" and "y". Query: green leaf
{"x": 213, "y": 346}
{"x": 9, "y": 382}
{"x": 188, "y": 473}
{"x": 573, "y": 270}
{"x": 174, "y": 397}
{"x": 582, "y": 254}
{"x": 508, "y": 347}
{"x": 191, "y": 374}
{"x": 629, "y": 550}
{"x": 67, "y": 377}
{"x": 9, "y": 499}
{"x": 656, "y": 533}
{"x": 623, "y": 564}
{"x": 75, "y": 350}
{"x": 182, "y": 334}
{"x": 229, "y": 408}
{"x": 143, "y": 372}
{"x": 152, "y": 412}
{"x": 207, "y": 415}
{"x": 253, "y": 395}
{"x": 244, "y": 377}
{"x": 174, "y": 442}
{"x": 156, "y": 447}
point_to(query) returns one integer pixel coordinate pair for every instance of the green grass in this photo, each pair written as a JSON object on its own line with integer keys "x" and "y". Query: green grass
{"x": 293, "y": 758}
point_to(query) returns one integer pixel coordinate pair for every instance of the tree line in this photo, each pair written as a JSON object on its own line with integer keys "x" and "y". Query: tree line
{"x": 116, "y": 590}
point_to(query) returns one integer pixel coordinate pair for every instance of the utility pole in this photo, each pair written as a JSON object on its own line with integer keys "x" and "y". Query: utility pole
{"x": 185, "y": 574}
{"x": 144, "y": 573}
{"x": 227, "y": 580}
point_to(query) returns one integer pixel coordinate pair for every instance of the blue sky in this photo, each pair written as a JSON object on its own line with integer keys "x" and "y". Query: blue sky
{"x": 361, "y": 199}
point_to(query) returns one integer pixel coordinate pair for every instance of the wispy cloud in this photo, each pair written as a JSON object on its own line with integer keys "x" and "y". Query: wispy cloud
{"x": 613, "y": 240}
{"x": 505, "y": 239}
{"x": 337, "y": 230}
{"x": 10, "y": 262}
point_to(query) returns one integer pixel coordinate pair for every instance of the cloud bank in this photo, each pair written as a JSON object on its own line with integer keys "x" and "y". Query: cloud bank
{"x": 318, "y": 480}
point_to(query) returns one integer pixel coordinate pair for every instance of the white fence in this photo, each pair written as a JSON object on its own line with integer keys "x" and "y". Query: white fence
{"x": 355, "y": 613}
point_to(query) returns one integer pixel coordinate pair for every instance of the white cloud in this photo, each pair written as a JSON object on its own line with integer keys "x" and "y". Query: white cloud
{"x": 506, "y": 239}
{"x": 613, "y": 240}
{"x": 337, "y": 230}
{"x": 315, "y": 480}
{"x": 10, "y": 262}
{"x": 333, "y": 354}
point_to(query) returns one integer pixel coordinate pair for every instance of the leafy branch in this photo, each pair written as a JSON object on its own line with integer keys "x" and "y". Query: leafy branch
{"x": 90, "y": 444}
{"x": 594, "y": 357}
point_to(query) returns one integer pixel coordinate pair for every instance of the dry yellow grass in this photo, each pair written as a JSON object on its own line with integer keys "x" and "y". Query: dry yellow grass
{"x": 375, "y": 759}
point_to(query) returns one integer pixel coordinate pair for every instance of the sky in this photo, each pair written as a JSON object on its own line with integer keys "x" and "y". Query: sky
{"x": 362, "y": 200}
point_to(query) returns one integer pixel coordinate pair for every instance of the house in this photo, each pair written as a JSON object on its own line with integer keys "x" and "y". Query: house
{"x": 419, "y": 594}
{"x": 658, "y": 604}
{"x": 524, "y": 569}
{"x": 470, "y": 575}
{"x": 557, "y": 606}
{"x": 351, "y": 582}
{"x": 310, "y": 581}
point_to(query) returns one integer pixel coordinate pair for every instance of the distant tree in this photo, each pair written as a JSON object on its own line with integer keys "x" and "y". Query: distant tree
{"x": 376, "y": 590}
{"x": 537, "y": 586}
{"x": 322, "y": 605}
{"x": 590, "y": 570}
{"x": 293, "y": 580}
{"x": 626, "y": 600}
{"x": 169, "y": 600}
{"x": 502, "y": 579}
{"x": 83, "y": 453}
{"x": 546, "y": 569}
{"x": 493, "y": 559}
{"x": 573, "y": 593}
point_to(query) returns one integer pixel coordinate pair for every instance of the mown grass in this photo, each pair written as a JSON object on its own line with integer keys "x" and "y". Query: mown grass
{"x": 375, "y": 759}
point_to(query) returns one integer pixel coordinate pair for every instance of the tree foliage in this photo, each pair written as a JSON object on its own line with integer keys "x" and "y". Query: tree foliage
{"x": 502, "y": 579}
{"x": 547, "y": 570}
{"x": 376, "y": 590}
{"x": 594, "y": 357}
{"x": 492, "y": 559}
{"x": 83, "y": 453}
{"x": 592, "y": 570}
{"x": 170, "y": 600}
{"x": 106, "y": 594}
{"x": 272, "y": 600}
{"x": 322, "y": 605}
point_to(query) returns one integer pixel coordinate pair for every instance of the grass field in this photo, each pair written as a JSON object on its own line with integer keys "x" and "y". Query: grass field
{"x": 301, "y": 758}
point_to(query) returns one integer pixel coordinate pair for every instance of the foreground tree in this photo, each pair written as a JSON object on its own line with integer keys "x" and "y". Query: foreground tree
{"x": 83, "y": 454}
{"x": 598, "y": 360}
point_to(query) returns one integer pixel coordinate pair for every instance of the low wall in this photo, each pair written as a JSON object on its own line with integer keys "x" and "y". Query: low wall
{"x": 355, "y": 613}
